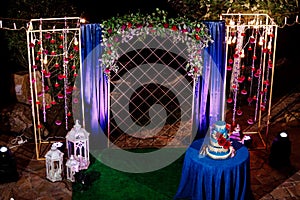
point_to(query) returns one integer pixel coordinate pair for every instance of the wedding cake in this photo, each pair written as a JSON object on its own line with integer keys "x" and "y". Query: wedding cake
{"x": 219, "y": 146}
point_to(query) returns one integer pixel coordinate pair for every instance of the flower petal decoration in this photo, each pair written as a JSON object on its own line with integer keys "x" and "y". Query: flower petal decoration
{"x": 229, "y": 100}
{"x": 221, "y": 140}
{"x": 227, "y": 144}
{"x": 58, "y": 122}
{"x": 243, "y": 92}
{"x": 250, "y": 121}
{"x": 239, "y": 112}
{"x": 60, "y": 96}
{"x": 229, "y": 68}
{"x": 194, "y": 34}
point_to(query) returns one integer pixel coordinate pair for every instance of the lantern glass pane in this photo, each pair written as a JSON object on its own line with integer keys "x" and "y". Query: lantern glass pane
{"x": 70, "y": 148}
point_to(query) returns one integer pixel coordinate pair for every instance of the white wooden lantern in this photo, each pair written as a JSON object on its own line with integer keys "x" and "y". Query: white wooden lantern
{"x": 72, "y": 167}
{"x": 54, "y": 163}
{"x": 77, "y": 141}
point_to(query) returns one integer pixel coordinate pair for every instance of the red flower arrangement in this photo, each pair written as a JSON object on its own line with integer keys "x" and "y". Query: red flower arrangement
{"x": 222, "y": 141}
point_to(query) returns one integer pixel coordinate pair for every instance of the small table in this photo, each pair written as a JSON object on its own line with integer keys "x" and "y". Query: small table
{"x": 206, "y": 178}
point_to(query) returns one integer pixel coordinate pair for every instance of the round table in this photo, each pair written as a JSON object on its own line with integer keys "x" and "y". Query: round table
{"x": 206, "y": 178}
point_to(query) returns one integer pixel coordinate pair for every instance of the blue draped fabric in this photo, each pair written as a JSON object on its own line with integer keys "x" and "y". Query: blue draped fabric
{"x": 94, "y": 83}
{"x": 205, "y": 178}
{"x": 209, "y": 88}
{"x": 209, "y": 91}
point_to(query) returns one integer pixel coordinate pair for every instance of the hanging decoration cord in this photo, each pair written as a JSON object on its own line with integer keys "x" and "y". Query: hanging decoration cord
{"x": 43, "y": 62}
{"x": 35, "y": 98}
{"x": 65, "y": 66}
{"x": 259, "y": 76}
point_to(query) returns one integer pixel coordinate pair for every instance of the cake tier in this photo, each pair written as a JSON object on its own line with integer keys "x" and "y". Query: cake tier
{"x": 213, "y": 152}
{"x": 216, "y": 148}
{"x": 220, "y": 126}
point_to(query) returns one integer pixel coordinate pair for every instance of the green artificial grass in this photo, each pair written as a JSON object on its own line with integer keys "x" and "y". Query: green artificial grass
{"x": 111, "y": 184}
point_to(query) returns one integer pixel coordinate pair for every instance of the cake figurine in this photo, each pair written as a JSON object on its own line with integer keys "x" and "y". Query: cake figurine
{"x": 236, "y": 133}
{"x": 219, "y": 146}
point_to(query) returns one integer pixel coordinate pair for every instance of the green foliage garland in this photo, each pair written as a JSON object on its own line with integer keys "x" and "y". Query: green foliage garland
{"x": 194, "y": 33}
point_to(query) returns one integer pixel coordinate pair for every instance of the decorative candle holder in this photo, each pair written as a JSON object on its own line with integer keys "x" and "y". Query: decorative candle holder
{"x": 54, "y": 163}
{"x": 77, "y": 141}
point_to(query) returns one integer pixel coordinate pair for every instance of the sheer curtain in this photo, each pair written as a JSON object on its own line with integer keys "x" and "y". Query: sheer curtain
{"x": 94, "y": 85}
{"x": 209, "y": 88}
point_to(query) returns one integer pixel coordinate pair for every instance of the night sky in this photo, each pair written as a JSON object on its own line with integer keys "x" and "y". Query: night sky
{"x": 5, "y": 82}
{"x": 96, "y": 13}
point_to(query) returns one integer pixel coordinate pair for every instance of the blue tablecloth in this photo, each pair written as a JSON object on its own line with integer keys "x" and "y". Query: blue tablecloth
{"x": 207, "y": 178}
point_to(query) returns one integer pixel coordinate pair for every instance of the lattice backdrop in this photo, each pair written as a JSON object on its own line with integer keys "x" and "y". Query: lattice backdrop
{"x": 151, "y": 74}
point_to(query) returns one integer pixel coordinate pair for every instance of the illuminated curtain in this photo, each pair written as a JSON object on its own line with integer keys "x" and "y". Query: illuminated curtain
{"x": 209, "y": 89}
{"x": 94, "y": 85}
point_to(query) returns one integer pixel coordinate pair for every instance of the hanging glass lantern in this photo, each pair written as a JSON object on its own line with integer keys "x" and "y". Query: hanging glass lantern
{"x": 72, "y": 167}
{"x": 77, "y": 141}
{"x": 54, "y": 162}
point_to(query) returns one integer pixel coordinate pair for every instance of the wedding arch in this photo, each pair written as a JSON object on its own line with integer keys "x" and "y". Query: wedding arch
{"x": 125, "y": 43}
{"x": 78, "y": 66}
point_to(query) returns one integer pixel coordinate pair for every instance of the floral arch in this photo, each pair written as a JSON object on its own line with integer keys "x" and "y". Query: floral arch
{"x": 200, "y": 36}
{"x": 122, "y": 29}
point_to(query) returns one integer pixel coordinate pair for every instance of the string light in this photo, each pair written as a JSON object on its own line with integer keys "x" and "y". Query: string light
{"x": 289, "y": 24}
{"x": 229, "y": 40}
{"x": 11, "y": 23}
{"x": 234, "y": 40}
{"x": 75, "y": 41}
{"x": 261, "y": 41}
{"x": 285, "y": 20}
{"x": 242, "y": 53}
{"x": 45, "y": 60}
{"x": 82, "y": 20}
{"x": 269, "y": 45}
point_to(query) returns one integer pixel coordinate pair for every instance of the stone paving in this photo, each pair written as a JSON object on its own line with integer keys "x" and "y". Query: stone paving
{"x": 32, "y": 184}
{"x": 289, "y": 189}
{"x": 278, "y": 183}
